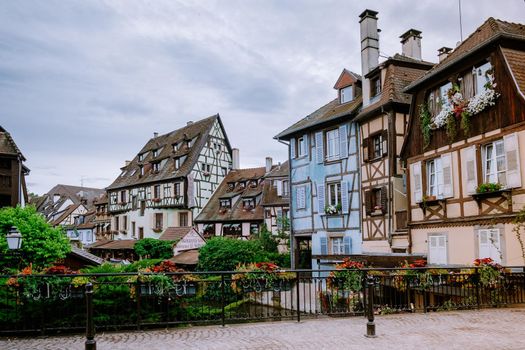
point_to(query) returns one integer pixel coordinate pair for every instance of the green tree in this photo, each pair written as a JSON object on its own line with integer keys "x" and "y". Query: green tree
{"x": 42, "y": 245}
{"x": 224, "y": 254}
{"x": 152, "y": 248}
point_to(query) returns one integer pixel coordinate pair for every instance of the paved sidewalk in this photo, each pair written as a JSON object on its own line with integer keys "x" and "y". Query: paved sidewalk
{"x": 486, "y": 329}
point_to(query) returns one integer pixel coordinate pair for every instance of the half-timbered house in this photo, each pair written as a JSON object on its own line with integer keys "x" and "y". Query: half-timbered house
{"x": 383, "y": 122}
{"x": 465, "y": 149}
{"x": 170, "y": 180}
{"x": 13, "y": 190}
{"x": 276, "y": 197}
{"x": 324, "y": 179}
{"x": 237, "y": 209}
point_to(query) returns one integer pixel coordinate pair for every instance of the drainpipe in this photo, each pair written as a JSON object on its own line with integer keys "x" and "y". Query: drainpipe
{"x": 358, "y": 140}
{"x": 20, "y": 194}
{"x": 292, "y": 239}
{"x": 391, "y": 156}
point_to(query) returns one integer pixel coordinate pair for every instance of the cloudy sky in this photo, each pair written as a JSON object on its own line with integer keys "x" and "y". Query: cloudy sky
{"x": 84, "y": 84}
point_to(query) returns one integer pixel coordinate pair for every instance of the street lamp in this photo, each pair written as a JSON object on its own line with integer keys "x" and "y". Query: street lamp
{"x": 14, "y": 239}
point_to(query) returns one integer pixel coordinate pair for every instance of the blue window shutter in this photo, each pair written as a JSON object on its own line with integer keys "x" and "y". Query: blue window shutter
{"x": 320, "y": 198}
{"x": 306, "y": 147}
{"x": 347, "y": 242}
{"x": 324, "y": 245}
{"x": 344, "y": 196}
{"x": 319, "y": 147}
{"x": 292, "y": 148}
{"x": 343, "y": 142}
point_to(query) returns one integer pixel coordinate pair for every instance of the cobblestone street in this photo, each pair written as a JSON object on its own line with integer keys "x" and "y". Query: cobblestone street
{"x": 486, "y": 329}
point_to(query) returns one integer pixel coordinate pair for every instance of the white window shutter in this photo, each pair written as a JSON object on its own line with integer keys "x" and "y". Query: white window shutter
{"x": 190, "y": 191}
{"x": 437, "y": 250}
{"x": 448, "y": 181}
{"x": 347, "y": 242}
{"x": 279, "y": 185}
{"x": 320, "y": 198}
{"x": 306, "y": 147}
{"x": 292, "y": 148}
{"x": 319, "y": 147}
{"x": 470, "y": 169}
{"x": 512, "y": 156}
{"x": 343, "y": 142}
{"x": 324, "y": 245}
{"x": 416, "y": 182}
{"x": 344, "y": 196}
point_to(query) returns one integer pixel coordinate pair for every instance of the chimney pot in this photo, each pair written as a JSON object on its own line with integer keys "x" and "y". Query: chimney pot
{"x": 235, "y": 159}
{"x": 443, "y": 53}
{"x": 155, "y": 134}
{"x": 269, "y": 163}
{"x": 411, "y": 44}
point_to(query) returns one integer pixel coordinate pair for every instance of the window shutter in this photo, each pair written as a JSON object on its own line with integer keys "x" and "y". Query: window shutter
{"x": 292, "y": 148}
{"x": 365, "y": 150}
{"x": 319, "y": 147}
{"x": 368, "y": 202}
{"x": 513, "y": 160}
{"x": 324, "y": 245}
{"x": 306, "y": 146}
{"x": 416, "y": 183}
{"x": 320, "y": 198}
{"x": 470, "y": 169}
{"x": 467, "y": 85}
{"x": 343, "y": 142}
{"x": 384, "y": 137}
{"x": 279, "y": 185}
{"x": 347, "y": 242}
{"x": 448, "y": 183}
{"x": 190, "y": 192}
{"x": 384, "y": 200}
{"x": 344, "y": 197}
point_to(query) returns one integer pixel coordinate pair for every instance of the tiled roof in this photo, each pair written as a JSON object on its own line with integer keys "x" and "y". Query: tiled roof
{"x": 490, "y": 30}
{"x": 8, "y": 145}
{"x": 516, "y": 62}
{"x": 346, "y": 78}
{"x": 280, "y": 170}
{"x": 115, "y": 244}
{"x": 332, "y": 111}
{"x": 188, "y": 257}
{"x": 270, "y": 197}
{"x": 399, "y": 74}
{"x": 196, "y": 131}
{"x": 174, "y": 233}
{"x": 212, "y": 211}
{"x": 86, "y": 255}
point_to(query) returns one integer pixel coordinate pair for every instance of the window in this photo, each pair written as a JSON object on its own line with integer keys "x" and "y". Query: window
{"x": 480, "y": 77}
{"x": 117, "y": 223}
{"x": 142, "y": 207}
{"x": 242, "y": 185}
{"x": 125, "y": 222}
{"x": 285, "y": 188}
{"x": 141, "y": 232}
{"x": 334, "y": 194}
{"x": 437, "y": 249}
{"x": 156, "y": 191}
{"x": 225, "y": 203}
{"x": 438, "y": 98}
{"x": 337, "y": 245}
{"x": 156, "y": 167}
{"x": 375, "y": 87}
{"x": 133, "y": 229}
{"x": 177, "y": 163}
{"x": 253, "y": 183}
{"x": 158, "y": 221}
{"x": 494, "y": 163}
{"x": 206, "y": 168}
{"x": 141, "y": 157}
{"x": 301, "y": 197}
{"x": 435, "y": 177}
{"x": 176, "y": 191}
{"x": 183, "y": 219}
{"x": 248, "y": 203}
{"x": 141, "y": 170}
{"x": 301, "y": 147}
{"x": 376, "y": 201}
{"x": 232, "y": 229}
{"x": 175, "y": 147}
{"x": 209, "y": 230}
{"x": 489, "y": 244}
{"x": 332, "y": 144}
{"x": 231, "y": 186}
{"x": 155, "y": 153}
{"x": 224, "y": 171}
{"x": 123, "y": 196}
{"x": 254, "y": 228}
{"x": 377, "y": 144}
{"x": 346, "y": 94}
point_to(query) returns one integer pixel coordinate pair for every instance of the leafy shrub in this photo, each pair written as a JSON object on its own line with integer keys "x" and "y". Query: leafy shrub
{"x": 489, "y": 187}
{"x": 154, "y": 248}
{"x": 224, "y": 254}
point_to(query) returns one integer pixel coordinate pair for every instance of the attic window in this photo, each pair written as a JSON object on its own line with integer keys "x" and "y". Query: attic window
{"x": 141, "y": 157}
{"x": 175, "y": 147}
{"x": 191, "y": 142}
{"x": 123, "y": 173}
{"x": 248, "y": 203}
{"x": 231, "y": 186}
{"x": 346, "y": 94}
{"x": 242, "y": 185}
{"x": 156, "y": 167}
{"x": 253, "y": 183}
{"x": 133, "y": 172}
{"x": 177, "y": 163}
{"x": 375, "y": 87}
{"x": 225, "y": 203}
{"x": 141, "y": 171}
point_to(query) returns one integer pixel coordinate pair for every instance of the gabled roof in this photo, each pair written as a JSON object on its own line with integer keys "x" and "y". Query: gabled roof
{"x": 515, "y": 59}
{"x": 330, "y": 112}
{"x": 8, "y": 145}
{"x": 400, "y": 72}
{"x": 491, "y": 30}
{"x": 114, "y": 244}
{"x": 69, "y": 210}
{"x": 197, "y": 131}
{"x": 270, "y": 196}
{"x": 346, "y": 78}
{"x": 212, "y": 211}
{"x": 175, "y": 233}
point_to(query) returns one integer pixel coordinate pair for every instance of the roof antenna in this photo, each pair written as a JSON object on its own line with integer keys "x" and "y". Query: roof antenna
{"x": 460, "y": 23}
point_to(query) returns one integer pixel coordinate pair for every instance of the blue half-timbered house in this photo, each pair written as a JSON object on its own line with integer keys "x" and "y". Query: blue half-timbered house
{"x": 324, "y": 179}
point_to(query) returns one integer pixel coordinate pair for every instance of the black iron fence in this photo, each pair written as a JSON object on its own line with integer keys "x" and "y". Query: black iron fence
{"x": 56, "y": 303}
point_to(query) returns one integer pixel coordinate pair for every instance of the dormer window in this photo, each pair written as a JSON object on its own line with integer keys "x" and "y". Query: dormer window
{"x": 175, "y": 147}
{"x": 225, "y": 203}
{"x": 242, "y": 185}
{"x": 346, "y": 94}
{"x": 375, "y": 87}
{"x": 141, "y": 170}
{"x": 141, "y": 157}
{"x": 253, "y": 183}
{"x": 156, "y": 167}
{"x": 177, "y": 163}
{"x": 248, "y": 203}
{"x": 231, "y": 186}
{"x": 155, "y": 153}
{"x": 190, "y": 142}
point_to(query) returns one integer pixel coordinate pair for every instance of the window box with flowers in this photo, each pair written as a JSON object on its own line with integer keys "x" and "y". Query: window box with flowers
{"x": 491, "y": 190}
{"x": 333, "y": 209}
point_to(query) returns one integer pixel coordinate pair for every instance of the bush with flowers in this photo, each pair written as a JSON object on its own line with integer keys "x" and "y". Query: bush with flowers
{"x": 347, "y": 275}
{"x": 490, "y": 273}
{"x": 260, "y": 276}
